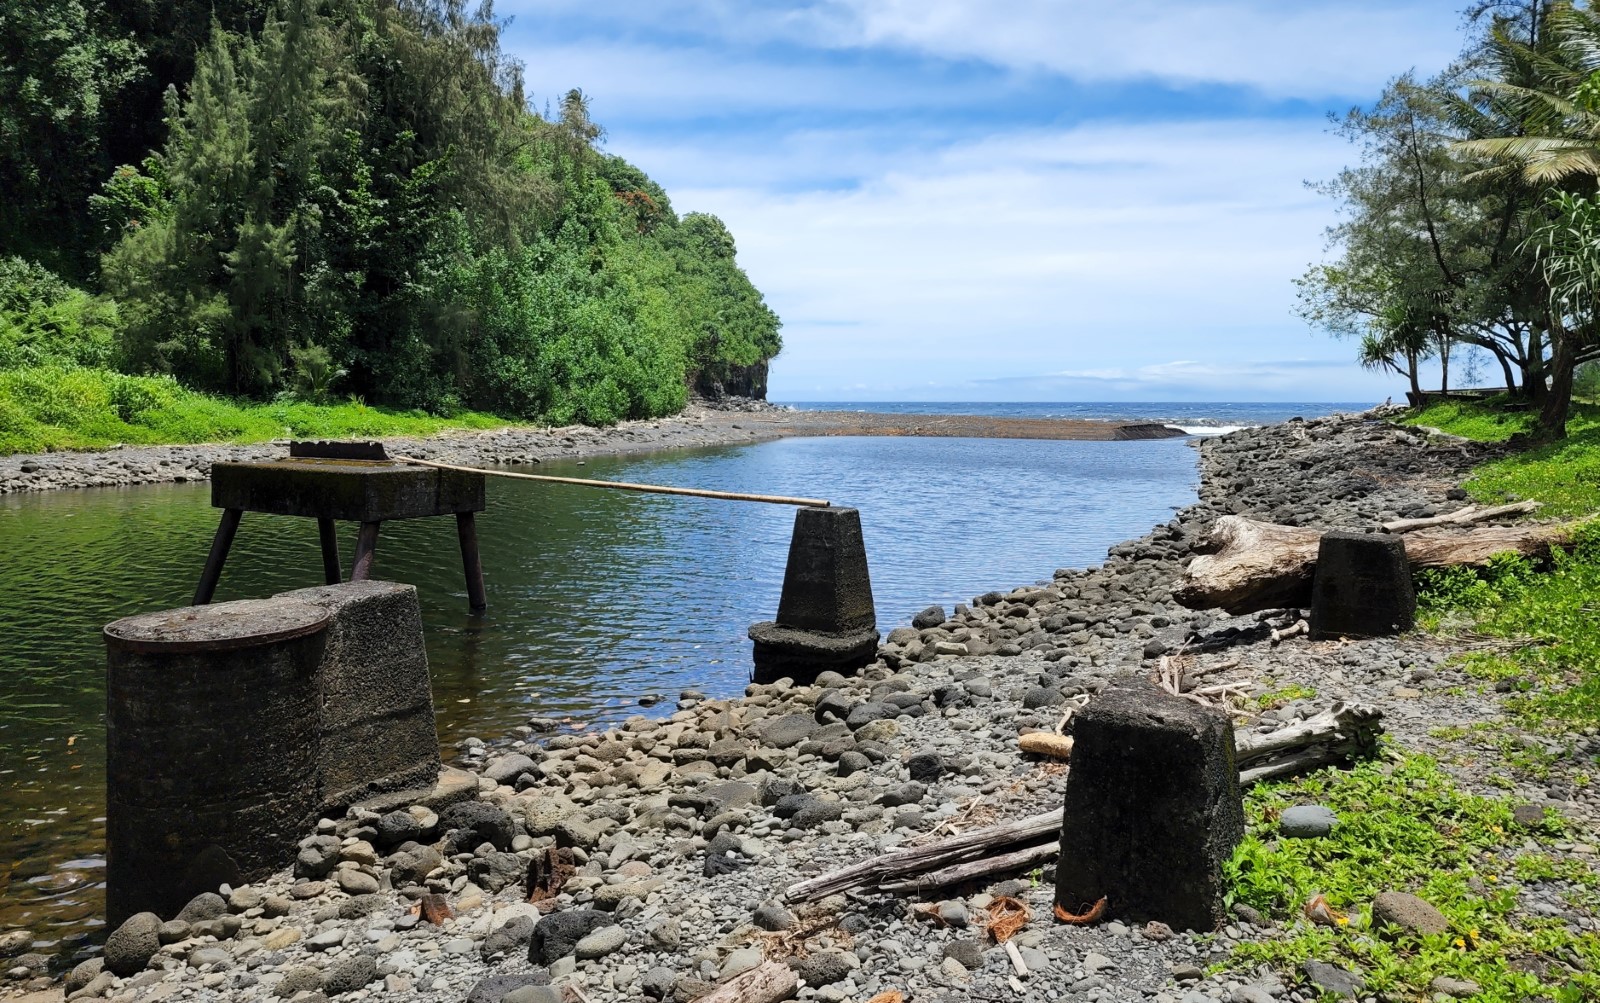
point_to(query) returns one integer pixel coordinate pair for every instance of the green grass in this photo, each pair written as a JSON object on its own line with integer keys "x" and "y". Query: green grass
{"x": 1552, "y": 606}
{"x": 52, "y": 408}
{"x": 1280, "y": 695}
{"x": 1408, "y": 827}
{"x": 1565, "y": 475}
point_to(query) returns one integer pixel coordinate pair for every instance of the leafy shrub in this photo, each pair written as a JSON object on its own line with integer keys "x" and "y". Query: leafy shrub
{"x": 45, "y": 321}
{"x": 1405, "y": 825}
{"x": 1505, "y": 577}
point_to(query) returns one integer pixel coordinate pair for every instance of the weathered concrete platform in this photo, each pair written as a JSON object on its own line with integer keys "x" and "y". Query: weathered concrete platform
{"x": 352, "y": 490}
{"x": 328, "y": 489}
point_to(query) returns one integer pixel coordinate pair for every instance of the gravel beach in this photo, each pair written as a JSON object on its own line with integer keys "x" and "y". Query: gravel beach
{"x": 683, "y": 832}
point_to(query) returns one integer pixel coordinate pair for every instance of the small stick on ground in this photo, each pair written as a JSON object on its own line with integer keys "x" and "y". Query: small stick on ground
{"x": 1016, "y": 959}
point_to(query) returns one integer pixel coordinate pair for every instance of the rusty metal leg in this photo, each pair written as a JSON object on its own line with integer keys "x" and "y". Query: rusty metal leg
{"x": 467, "y": 530}
{"x": 366, "y": 543}
{"x": 330, "y": 551}
{"x": 219, "y": 554}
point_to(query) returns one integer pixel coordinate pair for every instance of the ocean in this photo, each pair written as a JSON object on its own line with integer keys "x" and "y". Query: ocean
{"x": 1193, "y": 417}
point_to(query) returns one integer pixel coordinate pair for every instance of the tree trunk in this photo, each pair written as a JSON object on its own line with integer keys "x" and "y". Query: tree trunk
{"x": 1533, "y": 370}
{"x": 1505, "y": 365}
{"x": 1444, "y": 365}
{"x": 1262, "y": 565}
{"x": 1553, "y": 411}
{"x": 1411, "y": 373}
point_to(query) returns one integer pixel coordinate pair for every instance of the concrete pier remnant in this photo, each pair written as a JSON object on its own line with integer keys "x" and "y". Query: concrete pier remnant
{"x": 826, "y": 618}
{"x": 232, "y": 727}
{"x": 348, "y": 481}
{"x": 211, "y": 748}
{"x": 1152, "y": 811}
{"x": 1362, "y": 587}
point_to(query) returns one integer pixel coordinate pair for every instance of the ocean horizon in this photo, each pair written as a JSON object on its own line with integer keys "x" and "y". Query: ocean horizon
{"x": 1194, "y": 417}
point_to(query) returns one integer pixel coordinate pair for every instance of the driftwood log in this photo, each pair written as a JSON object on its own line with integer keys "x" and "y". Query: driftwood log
{"x": 964, "y": 848}
{"x": 1343, "y": 732}
{"x": 1463, "y": 516}
{"x": 768, "y": 982}
{"x": 1339, "y": 734}
{"x": 1257, "y": 565}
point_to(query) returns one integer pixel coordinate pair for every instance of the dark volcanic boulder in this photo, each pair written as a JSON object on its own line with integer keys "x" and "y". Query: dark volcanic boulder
{"x": 487, "y": 822}
{"x": 555, "y": 936}
{"x": 131, "y": 946}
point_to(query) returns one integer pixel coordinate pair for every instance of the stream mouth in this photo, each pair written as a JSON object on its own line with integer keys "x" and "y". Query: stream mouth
{"x": 602, "y": 604}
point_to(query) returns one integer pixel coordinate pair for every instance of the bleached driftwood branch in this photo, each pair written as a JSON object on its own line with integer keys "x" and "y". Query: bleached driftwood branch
{"x": 1463, "y": 516}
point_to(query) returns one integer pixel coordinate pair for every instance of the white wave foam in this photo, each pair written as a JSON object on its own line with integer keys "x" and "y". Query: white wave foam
{"x": 1209, "y": 429}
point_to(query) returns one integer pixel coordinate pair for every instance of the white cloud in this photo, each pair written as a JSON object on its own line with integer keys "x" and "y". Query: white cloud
{"x": 651, "y": 83}
{"x": 1298, "y": 49}
{"x": 1100, "y": 248}
{"x": 1294, "y": 49}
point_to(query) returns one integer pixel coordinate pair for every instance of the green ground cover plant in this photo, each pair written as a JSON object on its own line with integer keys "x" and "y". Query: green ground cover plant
{"x": 1406, "y": 826}
{"x": 1556, "y": 673}
{"x": 55, "y": 408}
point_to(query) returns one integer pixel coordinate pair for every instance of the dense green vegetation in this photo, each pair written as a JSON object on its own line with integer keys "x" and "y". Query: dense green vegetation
{"x": 1472, "y": 221}
{"x": 317, "y": 198}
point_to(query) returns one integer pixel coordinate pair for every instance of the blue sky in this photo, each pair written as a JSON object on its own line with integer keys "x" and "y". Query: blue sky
{"x": 1009, "y": 200}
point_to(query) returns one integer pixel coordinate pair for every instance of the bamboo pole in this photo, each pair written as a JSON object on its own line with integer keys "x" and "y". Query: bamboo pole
{"x": 658, "y": 489}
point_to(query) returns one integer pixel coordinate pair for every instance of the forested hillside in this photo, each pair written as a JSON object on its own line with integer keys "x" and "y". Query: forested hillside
{"x": 344, "y": 198}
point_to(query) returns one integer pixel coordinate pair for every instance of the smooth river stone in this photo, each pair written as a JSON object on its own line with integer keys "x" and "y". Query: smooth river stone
{"x": 1307, "y": 821}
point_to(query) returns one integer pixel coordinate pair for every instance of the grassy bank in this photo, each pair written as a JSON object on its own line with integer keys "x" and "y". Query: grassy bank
{"x": 49, "y": 408}
{"x": 1565, "y": 475}
{"x": 1556, "y": 672}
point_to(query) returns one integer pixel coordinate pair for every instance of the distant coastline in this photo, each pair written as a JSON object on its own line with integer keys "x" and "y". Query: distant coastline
{"x": 1194, "y": 417}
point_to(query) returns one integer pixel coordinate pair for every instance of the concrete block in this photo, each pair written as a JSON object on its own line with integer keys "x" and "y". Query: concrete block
{"x": 212, "y": 747}
{"x": 231, "y": 727}
{"x": 826, "y": 585}
{"x": 1152, "y": 809}
{"x": 826, "y": 617}
{"x": 1362, "y": 587}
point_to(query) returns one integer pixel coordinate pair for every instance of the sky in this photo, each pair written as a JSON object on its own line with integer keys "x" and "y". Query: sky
{"x": 1009, "y": 200}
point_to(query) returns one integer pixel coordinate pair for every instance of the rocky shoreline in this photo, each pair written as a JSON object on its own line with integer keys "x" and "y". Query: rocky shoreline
{"x": 683, "y": 833}
{"x": 731, "y": 421}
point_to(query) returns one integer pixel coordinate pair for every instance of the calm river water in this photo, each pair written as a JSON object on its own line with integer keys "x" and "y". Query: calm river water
{"x": 596, "y": 598}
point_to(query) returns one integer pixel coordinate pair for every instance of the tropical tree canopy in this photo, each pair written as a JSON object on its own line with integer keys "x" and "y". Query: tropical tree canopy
{"x": 354, "y": 196}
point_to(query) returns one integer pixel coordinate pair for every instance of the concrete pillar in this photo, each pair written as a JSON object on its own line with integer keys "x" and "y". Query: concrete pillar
{"x": 375, "y": 702}
{"x": 1152, "y": 811}
{"x": 212, "y": 748}
{"x": 826, "y": 618}
{"x": 231, "y": 727}
{"x": 1362, "y": 587}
